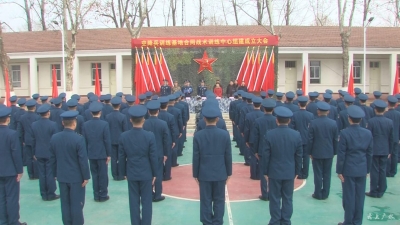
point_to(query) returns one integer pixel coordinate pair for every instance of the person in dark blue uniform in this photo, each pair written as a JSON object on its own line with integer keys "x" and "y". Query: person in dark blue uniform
{"x": 107, "y": 108}
{"x": 14, "y": 109}
{"x": 154, "y": 97}
{"x": 279, "y": 96}
{"x": 69, "y": 162}
{"x": 55, "y": 113}
{"x": 354, "y": 159}
{"x": 88, "y": 114}
{"x": 73, "y": 106}
{"x": 332, "y": 101}
{"x": 212, "y": 166}
{"x": 138, "y": 162}
{"x": 242, "y": 87}
{"x": 98, "y": 144}
{"x": 333, "y": 114}
{"x": 44, "y": 99}
{"x": 142, "y": 99}
{"x": 178, "y": 129}
{"x": 263, "y": 94}
{"x": 184, "y": 119}
{"x": 239, "y": 106}
{"x": 16, "y": 121}
{"x": 301, "y": 121}
{"x": 11, "y": 170}
{"x": 130, "y": 99}
{"x": 201, "y": 125}
{"x": 289, "y": 102}
{"x": 36, "y": 98}
{"x": 343, "y": 121}
{"x": 340, "y": 101}
{"x": 261, "y": 126}
{"x": 243, "y": 112}
{"x": 187, "y": 89}
{"x": 383, "y": 139}
{"x": 86, "y": 105}
{"x": 102, "y": 97}
{"x": 312, "y": 105}
{"x": 322, "y": 147}
{"x": 25, "y": 131}
{"x": 394, "y": 115}
{"x": 271, "y": 93}
{"x": 63, "y": 101}
{"x": 118, "y": 124}
{"x": 298, "y": 93}
{"x": 165, "y": 89}
{"x": 186, "y": 114}
{"x": 79, "y": 106}
{"x": 357, "y": 92}
{"x": 163, "y": 145}
{"x": 42, "y": 131}
{"x": 148, "y": 95}
{"x": 282, "y": 164}
{"x": 173, "y": 129}
{"x": 369, "y": 112}
{"x": 232, "y": 111}
{"x": 249, "y": 121}
{"x": 201, "y": 90}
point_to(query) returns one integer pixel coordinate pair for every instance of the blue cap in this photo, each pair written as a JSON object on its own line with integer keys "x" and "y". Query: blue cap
{"x": 392, "y": 99}
{"x": 116, "y": 100}
{"x": 155, "y": 97}
{"x": 240, "y": 92}
{"x": 340, "y": 92}
{"x": 257, "y": 100}
{"x": 212, "y": 95}
{"x": 142, "y": 97}
{"x": 44, "y": 98}
{"x": 283, "y": 112}
{"x": 31, "y": 103}
{"x": 35, "y": 96}
{"x": 130, "y": 98}
{"x": 119, "y": 94}
{"x": 107, "y": 97}
{"x": 363, "y": 97}
{"x": 313, "y": 94}
{"x": 355, "y": 112}
{"x": 62, "y": 95}
{"x": 171, "y": 97}
{"x": 302, "y": 99}
{"x": 271, "y": 92}
{"x": 72, "y": 102}
{"x": 4, "y": 112}
{"x": 95, "y": 107}
{"x": 13, "y": 98}
{"x": 164, "y": 100}
{"x": 210, "y": 92}
{"x": 268, "y": 103}
{"x": 329, "y": 91}
{"x": 327, "y": 96}
{"x": 56, "y": 101}
{"x": 69, "y": 115}
{"x": 349, "y": 98}
{"x": 263, "y": 94}
{"x": 89, "y": 94}
{"x": 44, "y": 108}
{"x": 137, "y": 111}
{"x": 279, "y": 94}
{"x": 21, "y": 101}
{"x": 75, "y": 96}
{"x": 299, "y": 92}
{"x": 357, "y": 91}
{"x": 235, "y": 94}
{"x": 377, "y": 93}
{"x": 102, "y": 97}
{"x": 153, "y": 105}
{"x": 148, "y": 94}
{"x": 323, "y": 106}
{"x": 380, "y": 104}
{"x": 210, "y": 112}
{"x": 398, "y": 96}
{"x": 290, "y": 95}
{"x": 93, "y": 98}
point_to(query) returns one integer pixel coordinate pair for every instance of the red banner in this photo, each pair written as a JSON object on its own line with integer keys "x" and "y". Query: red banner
{"x": 211, "y": 41}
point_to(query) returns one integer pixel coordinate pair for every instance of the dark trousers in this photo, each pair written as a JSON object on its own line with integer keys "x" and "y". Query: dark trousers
{"x": 212, "y": 202}
{"x": 235, "y": 133}
{"x": 117, "y": 175}
{"x": 47, "y": 183}
{"x": 181, "y": 140}
{"x": 353, "y": 199}
{"x": 9, "y": 200}
{"x": 391, "y": 169}
{"x": 280, "y": 190}
{"x": 246, "y": 152}
{"x": 174, "y": 155}
{"x": 378, "y": 183}
{"x": 263, "y": 181}
{"x": 254, "y": 169}
{"x": 168, "y": 165}
{"x": 31, "y": 164}
{"x": 99, "y": 171}
{"x": 305, "y": 164}
{"x": 72, "y": 197}
{"x": 159, "y": 178}
{"x": 241, "y": 142}
{"x": 322, "y": 177}
{"x": 140, "y": 193}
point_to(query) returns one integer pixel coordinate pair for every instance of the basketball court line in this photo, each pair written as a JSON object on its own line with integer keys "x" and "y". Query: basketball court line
{"x": 228, "y": 205}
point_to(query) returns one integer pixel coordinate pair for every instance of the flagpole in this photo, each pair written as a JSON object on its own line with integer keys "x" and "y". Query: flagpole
{"x": 7, "y": 86}
{"x": 159, "y": 62}
{"x": 258, "y": 74}
{"x": 252, "y": 69}
{"x": 141, "y": 68}
{"x": 241, "y": 66}
{"x": 269, "y": 63}
{"x": 163, "y": 58}
{"x": 148, "y": 71}
{"x": 247, "y": 67}
{"x": 152, "y": 63}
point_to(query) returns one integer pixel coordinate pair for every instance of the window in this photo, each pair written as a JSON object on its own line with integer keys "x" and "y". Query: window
{"x": 112, "y": 66}
{"x": 57, "y": 67}
{"x": 357, "y": 72}
{"x": 290, "y": 64}
{"x": 373, "y": 64}
{"x": 94, "y": 74}
{"x": 315, "y": 72}
{"x": 16, "y": 75}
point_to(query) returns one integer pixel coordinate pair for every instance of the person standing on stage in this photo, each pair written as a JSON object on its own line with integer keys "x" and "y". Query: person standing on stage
{"x": 165, "y": 89}
{"x": 201, "y": 90}
{"x": 187, "y": 89}
{"x": 69, "y": 162}
{"x": 242, "y": 87}
{"x": 212, "y": 166}
{"x": 138, "y": 162}
{"x": 230, "y": 89}
{"x": 218, "y": 90}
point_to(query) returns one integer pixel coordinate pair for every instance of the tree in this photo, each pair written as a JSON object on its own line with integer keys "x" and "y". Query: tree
{"x": 234, "y": 6}
{"x": 115, "y": 11}
{"x": 26, "y": 6}
{"x": 39, "y": 7}
{"x": 202, "y": 18}
{"x": 390, "y": 12}
{"x": 322, "y": 11}
{"x": 172, "y": 6}
{"x": 288, "y": 11}
{"x": 4, "y": 59}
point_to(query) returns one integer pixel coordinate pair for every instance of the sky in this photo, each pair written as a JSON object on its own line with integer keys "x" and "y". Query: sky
{"x": 303, "y": 13}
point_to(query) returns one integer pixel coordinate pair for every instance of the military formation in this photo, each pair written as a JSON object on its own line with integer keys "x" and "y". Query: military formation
{"x": 143, "y": 136}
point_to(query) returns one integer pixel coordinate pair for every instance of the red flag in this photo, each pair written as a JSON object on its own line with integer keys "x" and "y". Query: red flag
{"x": 254, "y": 70}
{"x": 157, "y": 63}
{"x": 7, "y": 85}
{"x": 350, "y": 87}
{"x": 303, "y": 82}
{"x": 164, "y": 67}
{"x": 261, "y": 72}
{"x": 54, "y": 92}
{"x": 147, "y": 73}
{"x": 269, "y": 79}
{"x": 140, "y": 82}
{"x": 243, "y": 67}
{"x": 249, "y": 67}
{"x": 396, "y": 83}
{"x": 97, "y": 82}
{"x": 145, "y": 77}
{"x": 153, "y": 72}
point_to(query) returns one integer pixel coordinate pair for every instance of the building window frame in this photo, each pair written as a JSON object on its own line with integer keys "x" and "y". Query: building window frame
{"x": 58, "y": 74}
{"x": 315, "y": 72}
{"x": 357, "y": 71}
{"x": 16, "y": 76}
{"x": 93, "y": 68}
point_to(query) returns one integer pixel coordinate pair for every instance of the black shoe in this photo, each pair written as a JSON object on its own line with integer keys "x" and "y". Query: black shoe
{"x": 313, "y": 195}
{"x": 22, "y": 223}
{"x": 185, "y": 140}
{"x": 53, "y": 198}
{"x": 159, "y": 199}
{"x": 167, "y": 179}
{"x": 254, "y": 178}
{"x": 234, "y": 139}
{"x": 370, "y": 195}
{"x": 246, "y": 164}
{"x": 175, "y": 165}
{"x": 263, "y": 198}
{"x": 104, "y": 199}
{"x": 180, "y": 155}
{"x": 240, "y": 153}
{"x": 340, "y": 223}
{"x": 300, "y": 178}
{"x": 33, "y": 178}
{"x": 183, "y": 146}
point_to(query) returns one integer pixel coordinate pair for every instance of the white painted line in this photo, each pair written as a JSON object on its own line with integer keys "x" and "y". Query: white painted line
{"x": 228, "y": 206}
{"x": 301, "y": 186}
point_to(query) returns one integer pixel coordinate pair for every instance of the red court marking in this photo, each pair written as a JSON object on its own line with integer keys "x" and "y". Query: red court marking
{"x": 240, "y": 186}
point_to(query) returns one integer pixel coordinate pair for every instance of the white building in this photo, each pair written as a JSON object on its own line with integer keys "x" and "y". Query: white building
{"x": 32, "y": 55}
